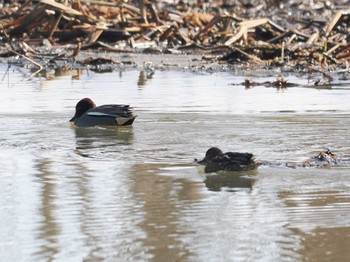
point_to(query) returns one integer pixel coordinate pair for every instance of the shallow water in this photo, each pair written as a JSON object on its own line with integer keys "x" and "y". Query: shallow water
{"x": 134, "y": 193}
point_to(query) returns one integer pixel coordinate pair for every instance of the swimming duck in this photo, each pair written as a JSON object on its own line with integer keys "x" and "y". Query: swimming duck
{"x": 87, "y": 114}
{"x": 216, "y": 160}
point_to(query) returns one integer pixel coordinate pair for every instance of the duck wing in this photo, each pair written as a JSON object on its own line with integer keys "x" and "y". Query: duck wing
{"x": 112, "y": 111}
{"x": 242, "y": 158}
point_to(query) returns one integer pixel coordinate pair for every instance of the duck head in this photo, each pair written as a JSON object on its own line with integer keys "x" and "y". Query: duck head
{"x": 210, "y": 155}
{"x": 82, "y": 106}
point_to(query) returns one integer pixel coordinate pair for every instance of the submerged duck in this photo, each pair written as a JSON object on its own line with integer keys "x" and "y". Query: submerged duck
{"x": 216, "y": 160}
{"x": 87, "y": 114}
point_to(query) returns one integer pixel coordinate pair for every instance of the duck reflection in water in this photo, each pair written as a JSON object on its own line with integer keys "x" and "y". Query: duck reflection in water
{"x": 91, "y": 142}
{"x": 144, "y": 77}
{"x": 215, "y": 182}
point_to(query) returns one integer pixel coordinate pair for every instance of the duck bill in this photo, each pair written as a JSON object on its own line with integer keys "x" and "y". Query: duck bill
{"x": 201, "y": 162}
{"x": 73, "y": 118}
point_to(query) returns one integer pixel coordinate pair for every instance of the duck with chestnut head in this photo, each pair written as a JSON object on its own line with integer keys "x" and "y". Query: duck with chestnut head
{"x": 87, "y": 114}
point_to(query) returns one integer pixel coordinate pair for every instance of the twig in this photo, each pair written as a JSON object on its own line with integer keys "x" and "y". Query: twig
{"x": 15, "y": 52}
{"x": 7, "y": 72}
{"x": 30, "y": 60}
{"x": 282, "y": 51}
{"x": 251, "y": 57}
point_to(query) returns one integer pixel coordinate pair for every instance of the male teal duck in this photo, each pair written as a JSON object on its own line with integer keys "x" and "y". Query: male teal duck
{"x": 216, "y": 160}
{"x": 87, "y": 114}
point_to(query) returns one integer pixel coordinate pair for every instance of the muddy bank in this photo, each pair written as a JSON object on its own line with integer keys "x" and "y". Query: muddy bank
{"x": 240, "y": 36}
{"x": 150, "y": 63}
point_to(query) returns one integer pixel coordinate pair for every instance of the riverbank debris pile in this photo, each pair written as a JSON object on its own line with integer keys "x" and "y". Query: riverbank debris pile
{"x": 300, "y": 34}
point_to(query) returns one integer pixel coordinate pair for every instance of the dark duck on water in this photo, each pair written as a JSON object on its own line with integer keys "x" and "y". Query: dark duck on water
{"x": 87, "y": 114}
{"x": 216, "y": 160}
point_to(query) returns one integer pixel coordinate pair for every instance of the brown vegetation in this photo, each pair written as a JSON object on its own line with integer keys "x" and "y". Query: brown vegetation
{"x": 301, "y": 34}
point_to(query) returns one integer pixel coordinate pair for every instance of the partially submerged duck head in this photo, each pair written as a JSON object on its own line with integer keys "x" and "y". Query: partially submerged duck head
{"x": 210, "y": 155}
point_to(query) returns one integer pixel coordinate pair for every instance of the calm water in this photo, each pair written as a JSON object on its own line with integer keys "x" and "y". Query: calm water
{"x": 134, "y": 193}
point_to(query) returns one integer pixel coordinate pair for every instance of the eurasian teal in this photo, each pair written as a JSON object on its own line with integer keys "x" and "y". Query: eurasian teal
{"x": 216, "y": 160}
{"x": 87, "y": 114}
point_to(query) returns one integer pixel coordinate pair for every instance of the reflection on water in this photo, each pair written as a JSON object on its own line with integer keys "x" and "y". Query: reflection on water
{"x": 163, "y": 199}
{"x": 228, "y": 180}
{"x": 325, "y": 244}
{"x": 56, "y": 73}
{"x": 102, "y": 141}
{"x": 144, "y": 77}
{"x": 134, "y": 193}
{"x": 49, "y": 230}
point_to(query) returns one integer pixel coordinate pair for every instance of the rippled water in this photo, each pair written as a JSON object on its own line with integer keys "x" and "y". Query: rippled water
{"x": 134, "y": 193}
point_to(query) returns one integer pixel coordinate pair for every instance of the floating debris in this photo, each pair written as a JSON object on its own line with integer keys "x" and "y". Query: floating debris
{"x": 280, "y": 83}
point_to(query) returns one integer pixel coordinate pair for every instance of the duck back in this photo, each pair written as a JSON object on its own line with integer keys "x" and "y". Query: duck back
{"x": 231, "y": 161}
{"x": 106, "y": 115}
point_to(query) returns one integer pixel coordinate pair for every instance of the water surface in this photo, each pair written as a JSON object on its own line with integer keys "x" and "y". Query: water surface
{"x": 134, "y": 193}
